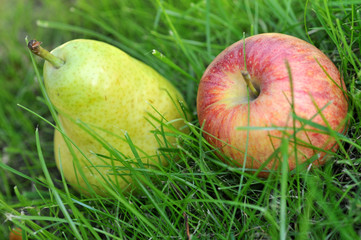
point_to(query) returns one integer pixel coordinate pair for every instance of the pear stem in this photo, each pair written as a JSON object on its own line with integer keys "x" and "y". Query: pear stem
{"x": 35, "y": 48}
{"x": 247, "y": 79}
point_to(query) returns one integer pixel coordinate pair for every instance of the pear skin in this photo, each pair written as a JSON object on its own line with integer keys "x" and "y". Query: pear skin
{"x": 113, "y": 94}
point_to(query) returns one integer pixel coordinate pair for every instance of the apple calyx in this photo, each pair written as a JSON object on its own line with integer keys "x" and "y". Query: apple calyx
{"x": 35, "y": 48}
{"x": 247, "y": 78}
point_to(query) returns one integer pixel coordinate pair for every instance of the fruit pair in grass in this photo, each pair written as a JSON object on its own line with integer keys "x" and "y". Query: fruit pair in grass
{"x": 254, "y": 94}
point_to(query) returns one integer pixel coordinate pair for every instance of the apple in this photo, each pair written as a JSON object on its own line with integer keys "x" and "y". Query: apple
{"x": 239, "y": 122}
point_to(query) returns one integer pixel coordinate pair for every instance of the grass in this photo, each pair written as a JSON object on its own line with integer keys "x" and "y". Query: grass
{"x": 198, "y": 197}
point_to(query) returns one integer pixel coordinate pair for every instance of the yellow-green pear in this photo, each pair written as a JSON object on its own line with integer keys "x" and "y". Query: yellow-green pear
{"x": 114, "y": 94}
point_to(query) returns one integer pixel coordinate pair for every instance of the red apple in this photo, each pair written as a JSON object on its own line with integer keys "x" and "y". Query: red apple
{"x": 223, "y": 106}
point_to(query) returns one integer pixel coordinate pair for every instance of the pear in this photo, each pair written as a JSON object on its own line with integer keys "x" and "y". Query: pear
{"x": 103, "y": 88}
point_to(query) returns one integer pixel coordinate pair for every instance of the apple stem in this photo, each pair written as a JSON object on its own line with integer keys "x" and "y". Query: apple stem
{"x": 247, "y": 79}
{"x": 35, "y": 48}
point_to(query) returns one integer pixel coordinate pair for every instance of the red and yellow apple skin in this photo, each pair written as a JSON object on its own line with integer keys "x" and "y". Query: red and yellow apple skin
{"x": 222, "y": 102}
